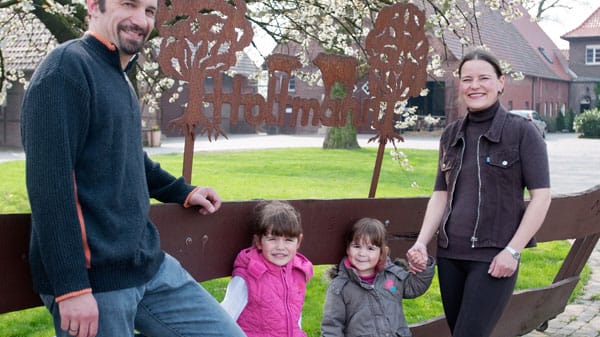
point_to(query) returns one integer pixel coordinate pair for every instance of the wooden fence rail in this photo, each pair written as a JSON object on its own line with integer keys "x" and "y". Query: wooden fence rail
{"x": 207, "y": 246}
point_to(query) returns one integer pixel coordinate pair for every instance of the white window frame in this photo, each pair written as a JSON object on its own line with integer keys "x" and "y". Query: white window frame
{"x": 292, "y": 84}
{"x": 595, "y": 48}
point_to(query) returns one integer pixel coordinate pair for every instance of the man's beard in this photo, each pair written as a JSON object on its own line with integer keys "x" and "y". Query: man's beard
{"x": 128, "y": 46}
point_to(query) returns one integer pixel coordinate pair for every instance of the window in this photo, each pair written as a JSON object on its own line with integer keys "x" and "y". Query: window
{"x": 592, "y": 55}
{"x": 545, "y": 54}
{"x": 292, "y": 84}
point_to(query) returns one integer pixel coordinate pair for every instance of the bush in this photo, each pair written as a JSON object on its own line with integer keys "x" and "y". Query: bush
{"x": 560, "y": 122}
{"x": 588, "y": 123}
{"x": 569, "y": 120}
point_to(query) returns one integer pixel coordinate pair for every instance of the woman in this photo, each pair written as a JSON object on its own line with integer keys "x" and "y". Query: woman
{"x": 477, "y": 209}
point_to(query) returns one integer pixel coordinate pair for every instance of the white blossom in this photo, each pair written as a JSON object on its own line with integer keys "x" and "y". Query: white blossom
{"x": 340, "y": 26}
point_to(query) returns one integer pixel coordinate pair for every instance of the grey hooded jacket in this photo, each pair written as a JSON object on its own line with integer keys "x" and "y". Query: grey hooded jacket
{"x": 356, "y": 308}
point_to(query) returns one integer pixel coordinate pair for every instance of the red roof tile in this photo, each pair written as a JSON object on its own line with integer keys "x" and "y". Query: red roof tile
{"x": 546, "y": 49}
{"x": 522, "y": 43}
{"x": 25, "y": 51}
{"x": 589, "y": 28}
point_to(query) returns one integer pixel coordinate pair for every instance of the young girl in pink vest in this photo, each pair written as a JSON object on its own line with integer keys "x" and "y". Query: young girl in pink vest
{"x": 268, "y": 284}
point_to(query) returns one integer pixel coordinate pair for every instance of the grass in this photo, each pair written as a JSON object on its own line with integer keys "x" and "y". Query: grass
{"x": 292, "y": 174}
{"x": 13, "y": 195}
{"x": 306, "y": 173}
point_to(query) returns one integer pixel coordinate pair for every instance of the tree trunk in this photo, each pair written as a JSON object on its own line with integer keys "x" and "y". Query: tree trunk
{"x": 63, "y": 28}
{"x": 342, "y": 137}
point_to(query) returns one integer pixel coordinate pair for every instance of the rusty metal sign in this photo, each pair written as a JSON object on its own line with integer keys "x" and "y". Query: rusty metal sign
{"x": 200, "y": 39}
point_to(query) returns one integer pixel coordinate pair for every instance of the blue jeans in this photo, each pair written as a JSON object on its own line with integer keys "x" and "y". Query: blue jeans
{"x": 171, "y": 304}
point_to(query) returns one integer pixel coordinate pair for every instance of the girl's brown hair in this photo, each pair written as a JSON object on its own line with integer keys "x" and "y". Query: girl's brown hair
{"x": 277, "y": 218}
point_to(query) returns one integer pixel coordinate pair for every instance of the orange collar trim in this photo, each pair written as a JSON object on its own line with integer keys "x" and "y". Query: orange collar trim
{"x": 104, "y": 41}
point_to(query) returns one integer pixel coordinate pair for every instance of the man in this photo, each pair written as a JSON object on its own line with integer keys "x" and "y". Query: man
{"x": 95, "y": 256}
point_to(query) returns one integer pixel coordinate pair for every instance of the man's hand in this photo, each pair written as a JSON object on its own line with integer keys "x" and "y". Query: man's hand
{"x": 207, "y": 198}
{"x": 79, "y": 315}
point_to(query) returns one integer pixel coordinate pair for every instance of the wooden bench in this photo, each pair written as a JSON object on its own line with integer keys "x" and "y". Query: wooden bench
{"x": 207, "y": 246}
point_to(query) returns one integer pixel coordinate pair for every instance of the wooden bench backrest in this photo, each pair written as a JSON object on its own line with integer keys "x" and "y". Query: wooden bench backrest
{"x": 207, "y": 246}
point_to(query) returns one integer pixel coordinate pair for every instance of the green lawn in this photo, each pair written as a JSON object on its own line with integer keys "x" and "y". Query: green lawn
{"x": 291, "y": 174}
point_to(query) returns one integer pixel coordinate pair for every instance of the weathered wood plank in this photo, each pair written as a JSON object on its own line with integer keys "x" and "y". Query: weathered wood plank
{"x": 572, "y": 216}
{"x": 16, "y": 292}
{"x": 207, "y": 245}
{"x": 529, "y": 308}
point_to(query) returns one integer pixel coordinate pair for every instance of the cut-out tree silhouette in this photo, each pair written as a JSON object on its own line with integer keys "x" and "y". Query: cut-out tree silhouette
{"x": 200, "y": 39}
{"x": 397, "y": 50}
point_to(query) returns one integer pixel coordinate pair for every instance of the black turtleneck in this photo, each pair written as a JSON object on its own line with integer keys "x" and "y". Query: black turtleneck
{"x": 462, "y": 220}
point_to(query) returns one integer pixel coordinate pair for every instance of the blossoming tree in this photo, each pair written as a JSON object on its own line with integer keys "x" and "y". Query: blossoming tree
{"x": 339, "y": 26}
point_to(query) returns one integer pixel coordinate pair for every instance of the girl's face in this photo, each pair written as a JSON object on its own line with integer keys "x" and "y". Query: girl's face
{"x": 364, "y": 257}
{"x": 279, "y": 250}
{"x": 479, "y": 85}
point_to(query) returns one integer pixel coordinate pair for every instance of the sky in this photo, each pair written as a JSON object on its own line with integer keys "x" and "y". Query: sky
{"x": 559, "y": 21}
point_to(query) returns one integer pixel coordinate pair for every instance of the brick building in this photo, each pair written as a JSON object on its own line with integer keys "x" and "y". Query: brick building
{"x": 584, "y": 61}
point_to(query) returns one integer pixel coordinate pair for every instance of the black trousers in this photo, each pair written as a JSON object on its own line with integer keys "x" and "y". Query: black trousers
{"x": 473, "y": 300}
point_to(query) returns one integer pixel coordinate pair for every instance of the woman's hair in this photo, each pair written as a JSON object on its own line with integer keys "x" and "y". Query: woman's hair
{"x": 277, "y": 218}
{"x": 479, "y": 53}
{"x": 369, "y": 230}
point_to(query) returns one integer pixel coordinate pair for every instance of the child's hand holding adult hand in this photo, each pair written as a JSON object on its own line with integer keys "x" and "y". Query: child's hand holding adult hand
{"x": 417, "y": 257}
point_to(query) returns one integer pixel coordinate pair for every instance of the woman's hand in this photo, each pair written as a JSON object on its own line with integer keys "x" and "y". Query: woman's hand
{"x": 503, "y": 265}
{"x": 417, "y": 257}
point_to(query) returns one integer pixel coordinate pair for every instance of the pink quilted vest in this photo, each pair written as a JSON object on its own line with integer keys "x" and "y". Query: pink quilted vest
{"x": 275, "y": 294}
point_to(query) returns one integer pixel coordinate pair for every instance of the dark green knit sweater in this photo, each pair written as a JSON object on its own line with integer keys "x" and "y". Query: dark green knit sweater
{"x": 88, "y": 179}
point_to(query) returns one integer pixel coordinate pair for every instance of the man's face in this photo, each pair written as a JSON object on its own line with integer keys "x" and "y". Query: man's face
{"x": 126, "y": 23}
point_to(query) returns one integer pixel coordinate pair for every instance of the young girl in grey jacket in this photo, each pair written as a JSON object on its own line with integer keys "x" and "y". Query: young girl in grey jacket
{"x": 365, "y": 295}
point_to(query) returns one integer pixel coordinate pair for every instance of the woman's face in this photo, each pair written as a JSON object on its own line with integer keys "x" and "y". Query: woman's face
{"x": 479, "y": 85}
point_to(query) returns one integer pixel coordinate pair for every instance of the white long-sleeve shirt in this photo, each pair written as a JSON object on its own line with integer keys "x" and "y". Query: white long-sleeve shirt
{"x": 236, "y": 298}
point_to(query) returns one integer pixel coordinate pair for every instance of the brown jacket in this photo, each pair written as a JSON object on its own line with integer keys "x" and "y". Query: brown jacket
{"x": 511, "y": 150}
